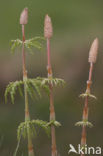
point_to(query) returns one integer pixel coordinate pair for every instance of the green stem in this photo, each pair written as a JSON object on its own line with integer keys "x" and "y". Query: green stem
{"x": 27, "y": 114}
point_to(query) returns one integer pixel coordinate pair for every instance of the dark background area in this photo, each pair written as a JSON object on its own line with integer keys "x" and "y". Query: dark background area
{"x": 76, "y": 24}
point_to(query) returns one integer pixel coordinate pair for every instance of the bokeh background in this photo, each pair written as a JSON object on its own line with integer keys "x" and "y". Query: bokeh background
{"x": 75, "y": 24}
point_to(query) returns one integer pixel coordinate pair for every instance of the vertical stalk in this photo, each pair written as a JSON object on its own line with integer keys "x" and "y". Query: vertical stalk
{"x": 27, "y": 115}
{"x": 85, "y": 109}
{"x": 52, "y": 110}
{"x": 92, "y": 59}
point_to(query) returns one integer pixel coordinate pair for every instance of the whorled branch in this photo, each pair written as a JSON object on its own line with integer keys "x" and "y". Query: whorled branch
{"x": 36, "y": 42}
{"x": 32, "y": 125}
{"x": 33, "y": 87}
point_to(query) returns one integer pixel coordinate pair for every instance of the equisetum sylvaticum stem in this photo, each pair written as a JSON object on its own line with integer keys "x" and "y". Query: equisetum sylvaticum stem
{"x": 48, "y": 32}
{"x": 23, "y": 21}
{"x": 32, "y": 88}
{"x": 92, "y": 59}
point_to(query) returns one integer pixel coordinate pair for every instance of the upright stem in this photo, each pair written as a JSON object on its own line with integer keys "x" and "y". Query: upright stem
{"x": 27, "y": 115}
{"x": 52, "y": 110}
{"x": 85, "y": 109}
{"x": 23, "y": 53}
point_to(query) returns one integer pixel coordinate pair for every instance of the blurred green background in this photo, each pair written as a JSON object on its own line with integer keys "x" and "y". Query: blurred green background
{"x": 75, "y": 24}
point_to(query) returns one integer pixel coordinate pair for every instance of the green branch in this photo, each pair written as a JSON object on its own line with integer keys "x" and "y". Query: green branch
{"x": 33, "y": 87}
{"x": 31, "y": 126}
{"x": 54, "y": 123}
{"x": 36, "y": 42}
{"x": 84, "y": 123}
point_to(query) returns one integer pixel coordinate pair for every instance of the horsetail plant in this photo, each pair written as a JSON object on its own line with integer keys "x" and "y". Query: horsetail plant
{"x": 84, "y": 123}
{"x": 48, "y": 32}
{"x": 23, "y": 21}
{"x": 27, "y": 129}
